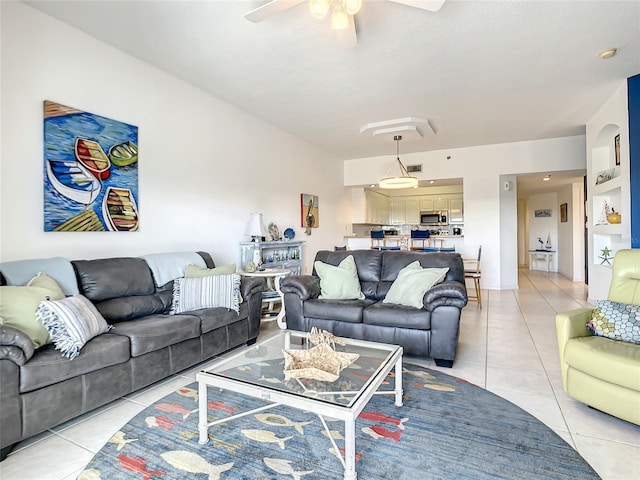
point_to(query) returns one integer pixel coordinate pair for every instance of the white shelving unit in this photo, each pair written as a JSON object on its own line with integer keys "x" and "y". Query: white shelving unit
{"x": 284, "y": 254}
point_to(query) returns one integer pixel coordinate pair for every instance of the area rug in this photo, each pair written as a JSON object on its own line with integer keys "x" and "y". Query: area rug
{"x": 446, "y": 429}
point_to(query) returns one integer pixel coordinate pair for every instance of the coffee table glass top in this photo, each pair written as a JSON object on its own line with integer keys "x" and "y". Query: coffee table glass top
{"x": 262, "y": 365}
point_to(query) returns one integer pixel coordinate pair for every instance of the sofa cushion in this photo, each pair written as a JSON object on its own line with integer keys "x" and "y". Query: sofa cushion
{"x": 617, "y": 321}
{"x": 113, "y": 278}
{"x": 47, "y": 366}
{"x": 205, "y": 292}
{"x": 608, "y": 360}
{"x": 71, "y": 323}
{"x": 122, "y": 309}
{"x": 157, "y": 331}
{"x": 18, "y": 306}
{"x": 412, "y": 283}
{"x": 341, "y": 310}
{"x": 339, "y": 282}
{"x": 392, "y": 315}
{"x": 216, "y": 317}
{"x": 193, "y": 271}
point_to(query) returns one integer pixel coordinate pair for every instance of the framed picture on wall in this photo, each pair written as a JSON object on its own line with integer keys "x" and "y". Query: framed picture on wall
{"x": 542, "y": 213}
{"x": 616, "y": 144}
{"x": 563, "y": 212}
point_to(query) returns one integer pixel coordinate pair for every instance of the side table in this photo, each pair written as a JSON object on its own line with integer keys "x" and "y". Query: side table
{"x": 273, "y": 295}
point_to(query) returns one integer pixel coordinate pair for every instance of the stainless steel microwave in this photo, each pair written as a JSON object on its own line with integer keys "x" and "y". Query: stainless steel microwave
{"x": 440, "y": 217}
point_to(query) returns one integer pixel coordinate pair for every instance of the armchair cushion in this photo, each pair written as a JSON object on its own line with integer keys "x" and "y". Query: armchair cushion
{"x": 617, "y": 321}
{"x": 412, "y": 283}
{"x": 341, "y": 282}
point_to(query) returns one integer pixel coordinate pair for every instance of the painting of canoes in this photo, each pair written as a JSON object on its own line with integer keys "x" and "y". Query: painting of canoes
{"x": 86, "y": 188}
{"x": 91, "y": 155}
{"x": 73, "y": 181}
{"x": 124, "y": 154}
{"x": 119, "y": 210}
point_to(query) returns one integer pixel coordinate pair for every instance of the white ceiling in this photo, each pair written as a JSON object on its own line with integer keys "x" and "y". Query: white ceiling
{"x": 482, "y": 72}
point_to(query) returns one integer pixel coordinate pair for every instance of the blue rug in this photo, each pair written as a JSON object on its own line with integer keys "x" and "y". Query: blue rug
{"x": 447, "y": 429}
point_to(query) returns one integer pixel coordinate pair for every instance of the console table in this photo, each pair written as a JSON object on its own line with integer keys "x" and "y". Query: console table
{"x": 545, "y": 256}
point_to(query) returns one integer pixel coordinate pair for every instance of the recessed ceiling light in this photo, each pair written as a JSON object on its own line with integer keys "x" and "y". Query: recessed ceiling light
{"x": 547, "y": 178}
{"x": 607, "y": 53}
{"x": 373, "y": 185}
{"x": 432, "y": 182}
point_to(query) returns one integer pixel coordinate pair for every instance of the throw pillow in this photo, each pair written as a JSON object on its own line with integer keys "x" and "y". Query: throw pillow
{"x": 412, "y": 283}
{"x": 617, "y": 321}
{"x": 71, "y": 323}
{"x": 341, "y": 282}
{"x": 193, "y": 271}
{"x": 206, "y": 292}
{"x": 18, "y": 306}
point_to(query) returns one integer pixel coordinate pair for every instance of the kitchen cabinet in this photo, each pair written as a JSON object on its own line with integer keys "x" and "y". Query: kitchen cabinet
{"x": 368, "y": 206}
{"x": 456, "y": 210}
{"x": 441, "y": 203}
{"x": 412, "y": 211}
{"x": 426, "y": 204}
{"x": 398, "y": 214}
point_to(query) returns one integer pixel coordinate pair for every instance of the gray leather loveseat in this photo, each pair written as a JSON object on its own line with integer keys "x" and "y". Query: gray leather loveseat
{"x": 430, "y": 331}
{"x": 40, "y": 389}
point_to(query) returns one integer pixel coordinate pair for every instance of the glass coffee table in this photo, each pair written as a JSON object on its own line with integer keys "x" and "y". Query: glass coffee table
{"x": 258, "y": 371}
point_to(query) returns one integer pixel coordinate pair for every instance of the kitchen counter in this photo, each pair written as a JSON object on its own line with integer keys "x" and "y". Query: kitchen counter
{"x": 360, "y": 242}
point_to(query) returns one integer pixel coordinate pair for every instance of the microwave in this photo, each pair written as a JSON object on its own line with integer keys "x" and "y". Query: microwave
{"x": 440, "y": 217}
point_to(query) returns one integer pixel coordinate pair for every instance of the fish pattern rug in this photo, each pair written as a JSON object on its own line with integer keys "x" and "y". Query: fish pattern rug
{"x": 446, "y": 429}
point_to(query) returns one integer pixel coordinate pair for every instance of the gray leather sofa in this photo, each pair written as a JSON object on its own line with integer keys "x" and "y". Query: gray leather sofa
{"x": 430, "y": 331}
{"x": 40, "y": 389}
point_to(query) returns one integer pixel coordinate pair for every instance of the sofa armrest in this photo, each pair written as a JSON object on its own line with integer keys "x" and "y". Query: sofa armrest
{"x": 572, "y": 324}
{"x": 251, "y": 285}
{"x": 15, "y": 345}
{"x": 304, "y": 286}
{"x": 450, "y": 293}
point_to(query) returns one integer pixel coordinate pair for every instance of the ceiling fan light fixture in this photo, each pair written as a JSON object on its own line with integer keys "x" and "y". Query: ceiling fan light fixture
{"x": 319, "y": 8}
{"x": 339, "y": 17}
{"x": 404, "y": 180}
{"x": 352, "y": 6}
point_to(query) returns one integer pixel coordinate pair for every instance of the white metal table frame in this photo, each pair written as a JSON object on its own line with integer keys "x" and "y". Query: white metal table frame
{"x": 275, "y": 274}
{"x": 348, "y": 414}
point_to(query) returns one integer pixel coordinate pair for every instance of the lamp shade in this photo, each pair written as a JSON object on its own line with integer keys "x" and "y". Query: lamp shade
{"x": 255, "y": 227}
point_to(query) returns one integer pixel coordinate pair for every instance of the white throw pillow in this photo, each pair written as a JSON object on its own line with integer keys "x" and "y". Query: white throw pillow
{"x": 71, "y": 323}
{"x": 412, "y": 283}
{"x": 341, "y": 282}
{"x": 206, "y": 292}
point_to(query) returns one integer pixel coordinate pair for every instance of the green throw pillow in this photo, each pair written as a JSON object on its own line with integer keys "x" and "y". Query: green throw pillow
{"x": 18, "y": 306}
{"x": 193, "y": 271}
{"x": 412, "y": 283}
{"x": 341, "y": 282}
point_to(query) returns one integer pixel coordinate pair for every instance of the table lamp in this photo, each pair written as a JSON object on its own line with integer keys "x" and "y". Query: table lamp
{"x": 255, "y": 227}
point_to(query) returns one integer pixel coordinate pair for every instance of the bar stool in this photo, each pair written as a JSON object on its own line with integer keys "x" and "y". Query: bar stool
{"x": 419, "y": 239}
{"x": 377, "y": 239}
{"x": 472, "y": 271}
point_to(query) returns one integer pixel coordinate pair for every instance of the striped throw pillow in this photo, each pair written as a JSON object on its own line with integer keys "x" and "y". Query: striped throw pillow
{"x": 206, "y": 292}
{"x": 71, "y": 323}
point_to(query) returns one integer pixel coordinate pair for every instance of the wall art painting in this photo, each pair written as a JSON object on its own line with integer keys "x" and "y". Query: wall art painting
{"x": 563, "y": 212}
{"x": 90, "y": 172}
{"x": 309, "y": 211}
{"x": 543, "y": 213}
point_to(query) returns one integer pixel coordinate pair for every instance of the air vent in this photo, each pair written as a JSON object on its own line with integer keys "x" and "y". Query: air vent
{"x": 414, "y": 168}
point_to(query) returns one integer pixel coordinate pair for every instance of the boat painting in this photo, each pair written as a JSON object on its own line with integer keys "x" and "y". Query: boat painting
{"x": 70, "y": 203}
{"x": 72, "y": 180}
{"x": 90, "y": 154}
{"x": 123, "y": 154}
{"x": 119, "y": 210}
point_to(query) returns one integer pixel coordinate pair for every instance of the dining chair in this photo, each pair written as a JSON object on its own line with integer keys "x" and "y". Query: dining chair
{"x": 419, "y": 239}
{"x": 377, "y": 239}
{"x": 472, "y": 271}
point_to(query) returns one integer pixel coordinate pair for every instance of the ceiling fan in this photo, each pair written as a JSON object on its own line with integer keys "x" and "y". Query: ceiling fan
{"x": 345, "y": 29}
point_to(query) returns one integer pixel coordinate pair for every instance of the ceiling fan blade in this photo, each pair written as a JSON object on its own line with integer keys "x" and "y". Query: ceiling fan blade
{"x": 347, "y": 37}
{"x": 431, "y": 5}
{"x": 269, "y": 9}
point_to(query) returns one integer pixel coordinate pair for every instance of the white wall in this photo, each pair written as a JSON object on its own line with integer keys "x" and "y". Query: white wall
{"x": 480, "y": 168}
{"x": 204, "y": 165}
{"x": 508, "y": 231}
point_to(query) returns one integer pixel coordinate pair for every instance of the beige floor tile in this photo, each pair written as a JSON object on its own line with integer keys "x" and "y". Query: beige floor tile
{"x": 469, "y": 371}
{"x": 544, "y": 407}
{"x": 612, "y": 460}
{"x": 152, "y": 393}
{"x": 53, "y": 458}
{"x": 515, "y": 379}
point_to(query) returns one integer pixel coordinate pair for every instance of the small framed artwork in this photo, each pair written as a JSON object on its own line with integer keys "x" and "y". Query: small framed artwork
{"x": 309, "y": 211}
{"x": 563, "y": 212}
{"x": 616, "y": 145}
{"x": 543, "y": 213}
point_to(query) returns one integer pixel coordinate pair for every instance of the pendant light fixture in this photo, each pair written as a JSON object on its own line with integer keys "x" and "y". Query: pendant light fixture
{"x": 404, "y": 180}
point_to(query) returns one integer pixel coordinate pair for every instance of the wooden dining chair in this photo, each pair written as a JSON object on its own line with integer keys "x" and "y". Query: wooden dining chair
{"x": 472, "y": 271}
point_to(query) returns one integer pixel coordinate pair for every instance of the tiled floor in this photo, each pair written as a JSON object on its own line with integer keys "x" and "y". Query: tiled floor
{"x": 508, "y": 347}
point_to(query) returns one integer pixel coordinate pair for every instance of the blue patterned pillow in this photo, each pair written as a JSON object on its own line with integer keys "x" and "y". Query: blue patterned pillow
{"x": 617, "y": 321}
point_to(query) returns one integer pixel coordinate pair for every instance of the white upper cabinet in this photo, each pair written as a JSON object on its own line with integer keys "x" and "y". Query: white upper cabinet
{"x": 456, "y": 209}
{"x": 426, "y": 203}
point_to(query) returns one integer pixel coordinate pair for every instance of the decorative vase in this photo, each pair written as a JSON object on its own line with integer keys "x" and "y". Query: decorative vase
{"x": 613, "y": 217}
